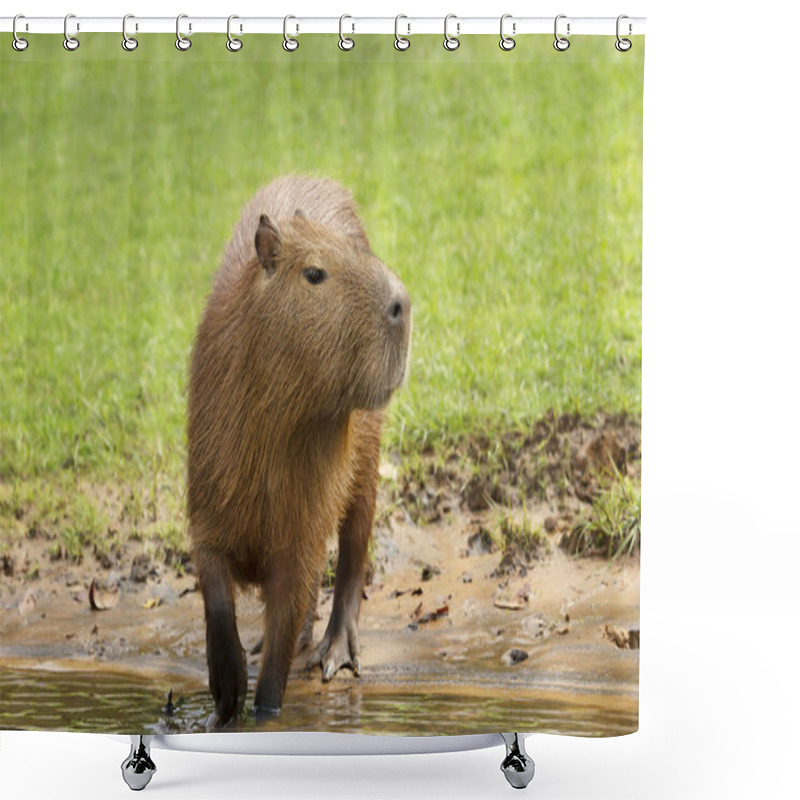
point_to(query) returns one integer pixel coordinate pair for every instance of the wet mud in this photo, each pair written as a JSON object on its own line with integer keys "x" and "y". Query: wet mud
{"x": 462, "y": 629}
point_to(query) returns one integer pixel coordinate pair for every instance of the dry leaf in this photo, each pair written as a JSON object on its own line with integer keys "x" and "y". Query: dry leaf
{"x": 511, "y": 605}
{"x": 443, "y": 611}
{"x": 151, "y": 602}
{"x": 101, "y": 599}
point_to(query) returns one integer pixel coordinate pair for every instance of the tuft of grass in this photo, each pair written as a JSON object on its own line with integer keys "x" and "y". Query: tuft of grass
{"x": 171, "y": 536}
{"x": 87, "y": 525}
{"x": 521, "y": 541}
{"x": 72, "y": 544}
{"x": 613, "y": 525}
{"x": 133, "y": 507}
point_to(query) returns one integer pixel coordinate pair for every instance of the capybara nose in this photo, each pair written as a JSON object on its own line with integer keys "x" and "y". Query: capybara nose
{"x": 400, "y": 307}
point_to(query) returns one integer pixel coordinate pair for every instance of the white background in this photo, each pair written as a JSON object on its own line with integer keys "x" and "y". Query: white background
{"x": 720, "y": 599}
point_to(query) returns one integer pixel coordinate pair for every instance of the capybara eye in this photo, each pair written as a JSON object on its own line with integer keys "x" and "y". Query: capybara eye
{"x": 314, "y": 275}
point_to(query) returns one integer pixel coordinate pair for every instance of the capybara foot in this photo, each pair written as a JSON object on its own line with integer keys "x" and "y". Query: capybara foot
{"x": 336, "y": 651}
{"x": 228, "y": 683}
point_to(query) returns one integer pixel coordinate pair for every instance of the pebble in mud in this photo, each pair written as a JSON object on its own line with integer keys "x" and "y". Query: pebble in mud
{"x": 624, "y": 639}
{"x": 513, "y": 656}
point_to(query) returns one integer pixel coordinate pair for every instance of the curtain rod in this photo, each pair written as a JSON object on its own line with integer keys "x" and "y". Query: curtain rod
{"x": 406, "y": 26}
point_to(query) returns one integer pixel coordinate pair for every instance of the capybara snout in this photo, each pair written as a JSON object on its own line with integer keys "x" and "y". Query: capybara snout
{"x": 304, "y": 339}
{"x": 397, "y": 321}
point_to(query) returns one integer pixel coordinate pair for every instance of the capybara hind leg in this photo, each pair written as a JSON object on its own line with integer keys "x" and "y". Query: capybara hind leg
{"x": 285, "y": 600}
{"x": 227, "y": 667}
{"x": 339, "y": 645}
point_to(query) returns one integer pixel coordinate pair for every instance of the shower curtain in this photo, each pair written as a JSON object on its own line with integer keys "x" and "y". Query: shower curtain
{"x": 502, "y": 190}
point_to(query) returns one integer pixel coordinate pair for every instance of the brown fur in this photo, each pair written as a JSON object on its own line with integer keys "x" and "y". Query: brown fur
{"x": 287, "y": 384}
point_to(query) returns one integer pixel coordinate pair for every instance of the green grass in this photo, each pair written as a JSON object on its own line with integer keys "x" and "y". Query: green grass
{"x": 504, "y": 188}
{"x": 520, "y": 540}
{"x": 613, "y": 524}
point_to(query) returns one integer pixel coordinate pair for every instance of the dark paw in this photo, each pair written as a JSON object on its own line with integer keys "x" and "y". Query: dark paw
{"x": 227, "y": 677}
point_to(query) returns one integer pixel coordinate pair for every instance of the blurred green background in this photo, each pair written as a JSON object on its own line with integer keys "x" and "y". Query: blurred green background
{"x": 504, "y": 189}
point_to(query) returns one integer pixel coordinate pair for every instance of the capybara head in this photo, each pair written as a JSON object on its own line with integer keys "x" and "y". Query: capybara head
{"x": 335, "y": 320}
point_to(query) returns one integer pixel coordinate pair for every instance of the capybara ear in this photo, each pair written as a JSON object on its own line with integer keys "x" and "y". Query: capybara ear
{"x": 300, "y": 214}
{"x": 268, "y": 240}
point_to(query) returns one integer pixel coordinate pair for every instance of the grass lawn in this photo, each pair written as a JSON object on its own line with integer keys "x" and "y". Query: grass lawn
{"x": 504, "y": 188}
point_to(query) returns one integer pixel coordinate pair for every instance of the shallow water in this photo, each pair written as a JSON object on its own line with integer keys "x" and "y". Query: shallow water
{"x": 100, "y": 702}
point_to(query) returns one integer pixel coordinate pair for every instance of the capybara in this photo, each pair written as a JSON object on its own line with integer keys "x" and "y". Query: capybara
{"x": 304, "y": 339}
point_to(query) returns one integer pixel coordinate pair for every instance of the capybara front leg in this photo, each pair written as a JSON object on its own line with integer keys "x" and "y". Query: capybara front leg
{"x": 339, "y": 645}
{"x": 286, "y": 593}
{"x": 227, "y": 667}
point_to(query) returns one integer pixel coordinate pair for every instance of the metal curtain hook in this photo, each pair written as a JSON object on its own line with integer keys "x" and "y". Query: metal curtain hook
{"x": 290, "y": 44}
{"x": 70, "y": 42}
{"x": 506, "y": 42}
{"x": 181, "y": 42}
{"x": 450, "y": 42}
{"x": 560, "y": 44}
{"x": 18, "y": 43}
{"x": 233, "y": 44}
{"x": 400, "y": 42}
{"x": 623, "y": 45}
{"x": 345, "y": 42}
{"x": 128, "y": 42}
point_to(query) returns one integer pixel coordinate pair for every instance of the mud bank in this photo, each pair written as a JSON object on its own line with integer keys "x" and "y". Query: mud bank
{"x": 462, "y": 630}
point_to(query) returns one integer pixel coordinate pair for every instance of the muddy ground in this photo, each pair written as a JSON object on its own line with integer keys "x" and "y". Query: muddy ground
{"x": 476, "y": 614}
